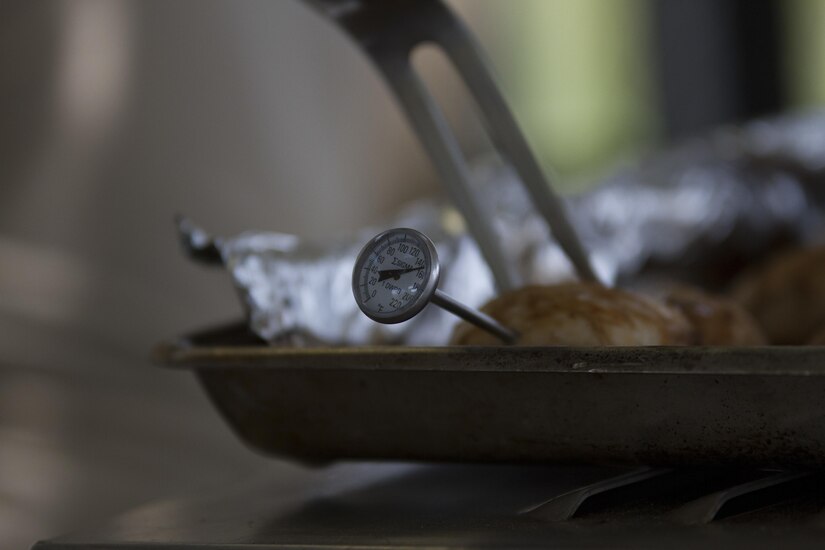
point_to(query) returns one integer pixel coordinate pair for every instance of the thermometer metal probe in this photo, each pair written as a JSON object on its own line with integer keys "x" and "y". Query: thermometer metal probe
{"x": 396, "y": 275}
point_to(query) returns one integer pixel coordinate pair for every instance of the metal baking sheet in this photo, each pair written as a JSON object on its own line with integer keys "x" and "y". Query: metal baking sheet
{"x": 653, "y": 405}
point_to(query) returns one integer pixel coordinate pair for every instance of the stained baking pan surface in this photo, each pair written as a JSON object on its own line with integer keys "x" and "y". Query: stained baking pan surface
{"x": 653, "y": 405}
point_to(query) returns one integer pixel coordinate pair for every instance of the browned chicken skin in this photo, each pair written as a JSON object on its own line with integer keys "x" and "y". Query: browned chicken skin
{"x": 716, "y": 320}
{"x": 586, "y": 314}
{"x": 580, "y": 314}
{"x": 787, "y": 295}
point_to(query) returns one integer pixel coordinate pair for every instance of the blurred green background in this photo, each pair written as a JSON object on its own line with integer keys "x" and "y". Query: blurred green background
{"x": 580, "y": 76}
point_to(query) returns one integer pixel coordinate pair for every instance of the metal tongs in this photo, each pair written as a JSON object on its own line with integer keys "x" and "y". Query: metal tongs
{"x": 389, "y": 31}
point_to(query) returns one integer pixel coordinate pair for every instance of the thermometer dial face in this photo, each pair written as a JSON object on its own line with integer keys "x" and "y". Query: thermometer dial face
{"x": 395, "y": 275}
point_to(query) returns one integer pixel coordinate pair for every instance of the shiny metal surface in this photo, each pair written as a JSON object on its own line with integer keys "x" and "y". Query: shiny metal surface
{"x": 563, "y": 507}
{"x": 420, "y": 288}
{"x": 388, "y": 32}
{"x": 632, "y": 406}
{"x": 475, "y": 316}
{"x": 398, "y": 505}
{"x": 420, "y": 296}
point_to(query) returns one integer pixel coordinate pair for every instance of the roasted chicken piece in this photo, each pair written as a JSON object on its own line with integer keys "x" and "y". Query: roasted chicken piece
{"x": 787, "y": 295}
{"x": 716, "y": 320}
{"x": 580, "y": 314}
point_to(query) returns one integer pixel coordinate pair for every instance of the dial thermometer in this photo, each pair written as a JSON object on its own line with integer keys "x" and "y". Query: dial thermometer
{"x": 396, "y": 275}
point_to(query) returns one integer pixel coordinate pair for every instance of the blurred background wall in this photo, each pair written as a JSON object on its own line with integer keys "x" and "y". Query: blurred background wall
{"x": 118, "y": 114}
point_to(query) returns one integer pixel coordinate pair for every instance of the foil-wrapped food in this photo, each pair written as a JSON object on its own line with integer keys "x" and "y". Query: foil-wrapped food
{"x": 700, "y": 213}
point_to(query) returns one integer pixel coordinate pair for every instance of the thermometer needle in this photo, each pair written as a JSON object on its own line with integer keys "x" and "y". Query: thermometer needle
{"x": 395, "y": 273}
{"x": 390, "y": 303}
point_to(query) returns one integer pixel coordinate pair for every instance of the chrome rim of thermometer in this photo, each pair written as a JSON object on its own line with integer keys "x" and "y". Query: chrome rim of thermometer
{"x": 396, "y": 275}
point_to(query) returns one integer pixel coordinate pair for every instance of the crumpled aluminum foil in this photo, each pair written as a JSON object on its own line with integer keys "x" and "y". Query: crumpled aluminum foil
{"x": 697, "y": 212}
{"x": 301, "y": 293}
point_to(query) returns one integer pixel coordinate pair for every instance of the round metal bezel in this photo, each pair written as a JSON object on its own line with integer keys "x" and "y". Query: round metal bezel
{"x": 427, "y": 290}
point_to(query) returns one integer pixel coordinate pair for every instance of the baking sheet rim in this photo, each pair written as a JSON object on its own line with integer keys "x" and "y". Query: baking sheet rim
{"x": 687, "y": 360}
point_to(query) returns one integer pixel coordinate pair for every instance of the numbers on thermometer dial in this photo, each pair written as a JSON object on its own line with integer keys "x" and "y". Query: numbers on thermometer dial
{"x": 394, "y": 275}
